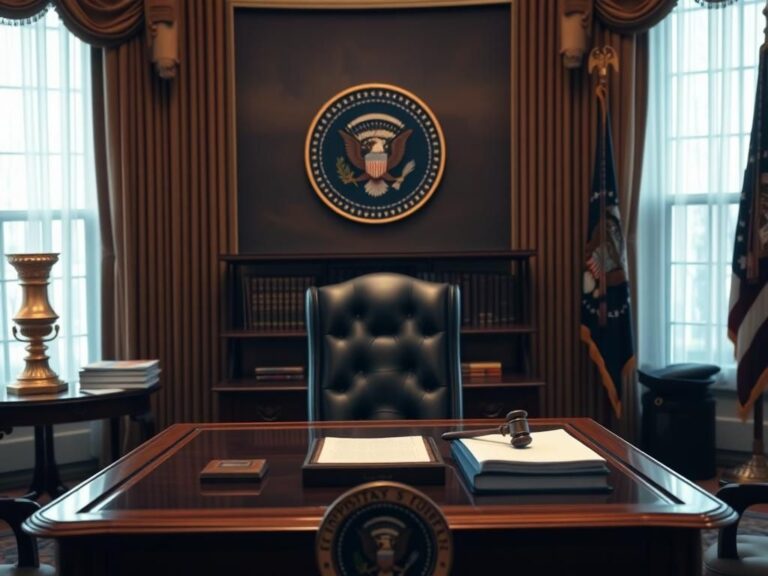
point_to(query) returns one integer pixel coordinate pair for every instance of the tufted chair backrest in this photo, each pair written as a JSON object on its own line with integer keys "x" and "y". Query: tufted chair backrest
{"x": 384, "y": 346}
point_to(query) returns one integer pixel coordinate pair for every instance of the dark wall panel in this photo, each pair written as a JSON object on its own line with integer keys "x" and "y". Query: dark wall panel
{"x": 288, "y": 63}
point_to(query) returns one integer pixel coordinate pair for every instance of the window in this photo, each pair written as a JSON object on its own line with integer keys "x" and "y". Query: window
{"x": 47, "y": 187}
{"x": 703, "y": 73}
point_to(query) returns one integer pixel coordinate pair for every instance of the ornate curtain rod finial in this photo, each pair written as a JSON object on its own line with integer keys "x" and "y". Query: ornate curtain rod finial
{"x": 602, "y": 58}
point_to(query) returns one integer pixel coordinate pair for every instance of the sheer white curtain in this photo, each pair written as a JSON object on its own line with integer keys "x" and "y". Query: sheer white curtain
{"x": 47, "y": 186}
{"x": 703, "y": 72}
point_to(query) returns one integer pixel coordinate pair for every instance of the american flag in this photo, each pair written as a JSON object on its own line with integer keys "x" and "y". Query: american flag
{"x": 748, "y": 310}
{"x": 606, "y": 320}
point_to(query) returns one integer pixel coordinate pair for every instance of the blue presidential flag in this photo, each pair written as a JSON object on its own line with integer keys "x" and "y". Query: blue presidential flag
{"x": 748, "y": 310}
{"x": 606, "y": 319}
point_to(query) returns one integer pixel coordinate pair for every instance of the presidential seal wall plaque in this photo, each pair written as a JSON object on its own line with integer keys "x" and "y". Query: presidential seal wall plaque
{"x": 384, "y": 529}
{"x": 375, "y": 153}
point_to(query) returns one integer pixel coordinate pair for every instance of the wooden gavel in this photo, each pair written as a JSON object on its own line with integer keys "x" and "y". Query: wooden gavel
{"x": 516, "y": 426}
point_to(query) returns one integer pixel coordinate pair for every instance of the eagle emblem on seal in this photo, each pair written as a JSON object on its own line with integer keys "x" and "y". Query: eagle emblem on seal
{"x": 376, "y": 144}
{"x": 385, "y": 543}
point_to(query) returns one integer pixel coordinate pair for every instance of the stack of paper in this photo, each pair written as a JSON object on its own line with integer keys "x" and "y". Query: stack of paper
{"x": 555, "y": 461}
{"x": 390, "y": 450}
{"x": 120, "y": 374}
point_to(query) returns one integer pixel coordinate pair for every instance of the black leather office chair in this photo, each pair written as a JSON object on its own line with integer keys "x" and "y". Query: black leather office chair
{"x": 733, "y": 555}
{"x": 384, "y": 346}
{"x": 14, "y": 511}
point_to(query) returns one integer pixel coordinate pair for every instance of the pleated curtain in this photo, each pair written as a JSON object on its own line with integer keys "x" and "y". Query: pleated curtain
{"x": 555, "y": 112}
{"x": 169, "y": 212}
{"x": 163, "y": 202}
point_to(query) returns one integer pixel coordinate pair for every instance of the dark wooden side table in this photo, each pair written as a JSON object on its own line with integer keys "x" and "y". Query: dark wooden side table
{"x": 72, "y": 405}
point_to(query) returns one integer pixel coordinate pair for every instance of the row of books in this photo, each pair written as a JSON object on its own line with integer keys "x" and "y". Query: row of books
{"x": 468, "y": 369}
{"x": 277, "y": 302}
{"x": 555, "y": 461}
{"x": 487, "y": 298}
{"x": 124, "y": 374}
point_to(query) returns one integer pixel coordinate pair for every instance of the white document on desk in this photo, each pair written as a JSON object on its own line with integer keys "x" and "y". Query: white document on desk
{"x": 390, "y": 450}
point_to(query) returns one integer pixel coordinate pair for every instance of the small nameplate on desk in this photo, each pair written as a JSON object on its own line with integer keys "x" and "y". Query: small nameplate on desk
{"x": 234, "y": 470}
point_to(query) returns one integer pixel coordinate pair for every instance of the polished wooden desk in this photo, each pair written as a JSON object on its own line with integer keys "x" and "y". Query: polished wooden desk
{"x": 148, "y": 514}
{"x": 71, "y": 405}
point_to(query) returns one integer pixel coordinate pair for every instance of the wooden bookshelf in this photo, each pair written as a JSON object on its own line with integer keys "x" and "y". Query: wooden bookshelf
{"x": 263, "y": 312}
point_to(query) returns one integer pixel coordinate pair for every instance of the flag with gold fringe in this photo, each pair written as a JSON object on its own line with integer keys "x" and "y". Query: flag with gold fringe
{"x": 606, "y": 319}
{"x": 748, "y": 309}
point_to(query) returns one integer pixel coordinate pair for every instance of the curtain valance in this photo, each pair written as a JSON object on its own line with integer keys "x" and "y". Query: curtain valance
{"x": 632, "y": 16}
{"x": 21, "y": 9}
{"x": 628, "y": 16}
{"x": 621, "y": 16}
{"x": 97, "y": 22}
{"x": 106, "y": 23}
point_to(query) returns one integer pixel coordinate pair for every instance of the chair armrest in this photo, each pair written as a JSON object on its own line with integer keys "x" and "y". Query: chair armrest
{"x": 739, "y": 497}
{"x": 14, "y": 511}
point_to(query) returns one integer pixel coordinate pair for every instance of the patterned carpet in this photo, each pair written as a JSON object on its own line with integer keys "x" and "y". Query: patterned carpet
{"x": 752, "y": 523}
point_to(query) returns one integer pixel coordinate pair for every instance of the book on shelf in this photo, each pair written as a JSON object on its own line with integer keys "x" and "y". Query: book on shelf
{"x": 554, "y": 462}
{"x": 268, "y": 377}
{"x": 274, "y": 302}
{"x": 482, "y": 365}
{"x": 486, "y": 297}
{"x": 481, "y": 369}
{"x": 266, "y": 370}
{"x": 265, "y": 373}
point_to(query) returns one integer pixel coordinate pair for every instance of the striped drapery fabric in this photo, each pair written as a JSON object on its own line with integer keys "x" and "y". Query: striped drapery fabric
{"x": 166, "y": 214}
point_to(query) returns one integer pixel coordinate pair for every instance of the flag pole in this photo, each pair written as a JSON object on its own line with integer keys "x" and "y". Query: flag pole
{"x": 602, "y": 59}
{"x": 755, "y": 469}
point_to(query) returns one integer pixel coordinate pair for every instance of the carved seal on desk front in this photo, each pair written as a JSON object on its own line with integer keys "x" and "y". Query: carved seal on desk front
{"x": 375, "y": 153}
{"x": 384, "y": 529}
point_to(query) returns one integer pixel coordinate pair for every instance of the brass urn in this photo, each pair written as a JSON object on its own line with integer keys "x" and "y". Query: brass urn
{"x": 35, "y": 322}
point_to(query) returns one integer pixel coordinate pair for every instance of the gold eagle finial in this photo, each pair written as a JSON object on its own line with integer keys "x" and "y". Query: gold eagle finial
{"x": 601, "y": 58}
